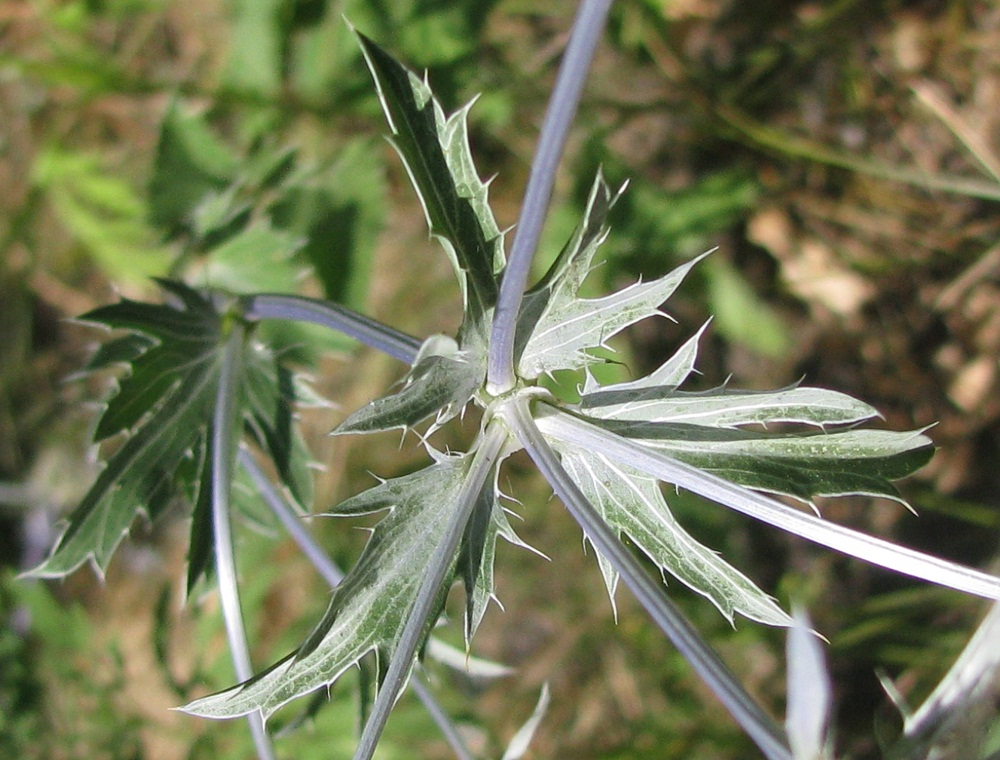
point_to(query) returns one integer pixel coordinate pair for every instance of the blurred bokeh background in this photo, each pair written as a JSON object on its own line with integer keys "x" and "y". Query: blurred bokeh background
{"x": 843, "y": 156}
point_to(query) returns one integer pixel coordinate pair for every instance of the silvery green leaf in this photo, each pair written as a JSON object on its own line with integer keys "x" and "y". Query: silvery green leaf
{"x": 670, "y": 374}
{"x": 655, "y": 398}
{"x": 558, "y": 424}
{"x": 571, "y": 267}
{"x": 800, "y": 465}
{"x": 724, "y": 407}
{"x": 373, "y": 604}
{"x": 809, "y": 691}
{"x": 370, "y": 607}
{"x": 435, "y": 150}
{"x": 569, "y": 327}
{"x": 522, "y": 739}
{"x": 441, "y": 382}
{"x": 632, "y": 503}
{"x": 478, "y": 550}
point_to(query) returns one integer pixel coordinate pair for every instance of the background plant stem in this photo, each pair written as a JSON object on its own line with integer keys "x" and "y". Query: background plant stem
{"x": 364, "y": 329}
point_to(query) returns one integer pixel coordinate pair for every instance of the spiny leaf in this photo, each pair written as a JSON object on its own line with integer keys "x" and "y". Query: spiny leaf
{"x": 801, "y": 465}
{"x": 441, "y": 382}
{"x": 436, "y": 153}
{"x": 164, "y": 404}
{"x": 670, "y": 374}
{"x": 571, "y": 267}
{"x": 724, "y": 407}
{"x": 631, "y": 503}
{"x": 370, "y": 608}
{"x": 478, "y": 550}
{"x": 556, "y": 328}
{"x": 565, "y": 332}
{"x": 575, "y": 261}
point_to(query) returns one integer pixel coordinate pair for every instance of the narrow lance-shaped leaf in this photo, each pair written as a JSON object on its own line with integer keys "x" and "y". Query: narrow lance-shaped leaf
{"x": 724, "y": 407}
{"x": 436, "y": 153}
{"x": 809, "y": 692}
{"x": 370, "y": 608}
{"x": 441, "y": 382}
{"x": 631, "y": 503}
{"x": 803, "y": 465}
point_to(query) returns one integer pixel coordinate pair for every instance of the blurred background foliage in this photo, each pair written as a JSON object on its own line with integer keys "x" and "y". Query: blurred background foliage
{"x": 843, "y": 156}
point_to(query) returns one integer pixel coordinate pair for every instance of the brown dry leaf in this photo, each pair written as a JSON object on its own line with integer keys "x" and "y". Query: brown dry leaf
{"x": 972, "y": 386}
{"x": 810, "y": 269}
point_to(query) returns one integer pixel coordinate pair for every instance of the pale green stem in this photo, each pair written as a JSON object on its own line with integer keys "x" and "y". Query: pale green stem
{"x": 758, "y": 725}
{"x": 490, "y": 447}
{"x": 223, "y": 453}
{"x": 587, "y": 28}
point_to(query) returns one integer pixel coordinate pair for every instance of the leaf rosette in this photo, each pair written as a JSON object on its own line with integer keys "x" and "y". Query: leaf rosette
{"x": 800, "y": 442}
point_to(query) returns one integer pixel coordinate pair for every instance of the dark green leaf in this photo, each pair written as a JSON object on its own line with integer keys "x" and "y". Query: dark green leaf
{"x": 441, "y": 382}
{"x": 190, "y": 163}
{"x": 437, "y": 156}
{"x": 165, "y": 404}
